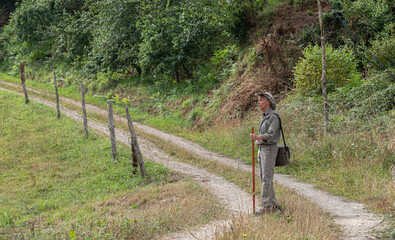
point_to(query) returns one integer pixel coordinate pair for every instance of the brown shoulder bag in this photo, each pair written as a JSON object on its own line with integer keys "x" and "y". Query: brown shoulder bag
{"x": 283, "y": 154}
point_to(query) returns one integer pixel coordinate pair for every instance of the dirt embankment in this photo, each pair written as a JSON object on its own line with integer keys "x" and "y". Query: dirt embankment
{"x": 277, "y": 50}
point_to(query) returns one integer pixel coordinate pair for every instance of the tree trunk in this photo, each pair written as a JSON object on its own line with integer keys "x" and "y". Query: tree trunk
{"x": 323, "y": 77}
{"x": 136, "y": 153}
{"x": 189, "y": 74}
{"x": 138, "y": 69}
{"x": 177, "y": 75}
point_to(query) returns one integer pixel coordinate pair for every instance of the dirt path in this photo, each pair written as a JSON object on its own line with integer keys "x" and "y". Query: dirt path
{"x": 354, "y": 219}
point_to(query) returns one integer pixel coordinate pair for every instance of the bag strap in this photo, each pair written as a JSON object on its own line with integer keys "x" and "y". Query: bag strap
{"x": 281, "y": 128}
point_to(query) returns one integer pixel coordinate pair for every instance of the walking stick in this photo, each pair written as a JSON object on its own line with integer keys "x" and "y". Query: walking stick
{"x": 253, "y": 173}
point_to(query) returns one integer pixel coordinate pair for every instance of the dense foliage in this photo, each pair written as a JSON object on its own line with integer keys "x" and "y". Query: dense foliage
{"x": 174, "y": 36}
{"x": 115, "y": 37}
{"x": 367, "y": 17}
{"x": 373, "y": 97}
{"x": 340, "y": 65}
{"x": 168, "y": 38}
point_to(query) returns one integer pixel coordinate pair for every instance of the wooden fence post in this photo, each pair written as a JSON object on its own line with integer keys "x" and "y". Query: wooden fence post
{"x": 56, "y": 93}
{"x": 22, "y": 68}
{"x": 84, "y": 110}
{"x": 112, "y": 129}
{"x": 136, "y": 153}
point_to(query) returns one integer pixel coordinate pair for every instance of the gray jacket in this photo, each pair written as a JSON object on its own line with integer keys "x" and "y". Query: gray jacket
{"x": 269, "y": 128}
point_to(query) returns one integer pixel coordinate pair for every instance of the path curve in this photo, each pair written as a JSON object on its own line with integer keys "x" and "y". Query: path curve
{"x": 351, "y": 216}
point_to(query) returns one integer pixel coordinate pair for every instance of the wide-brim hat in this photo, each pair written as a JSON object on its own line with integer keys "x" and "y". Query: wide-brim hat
{"x": 271, "y": 100}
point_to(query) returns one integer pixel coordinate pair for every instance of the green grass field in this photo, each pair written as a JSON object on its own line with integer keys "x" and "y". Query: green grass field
{"x": 56, "y": 184}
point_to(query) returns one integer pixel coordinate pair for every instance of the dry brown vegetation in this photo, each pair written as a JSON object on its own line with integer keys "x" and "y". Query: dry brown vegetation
{"x": 299, "y": 220}
{"x": 276, "y": 49}
{"x": 155, "y": 211}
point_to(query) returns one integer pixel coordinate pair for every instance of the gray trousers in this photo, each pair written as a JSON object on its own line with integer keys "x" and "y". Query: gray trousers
{"x": 266, "y": 161}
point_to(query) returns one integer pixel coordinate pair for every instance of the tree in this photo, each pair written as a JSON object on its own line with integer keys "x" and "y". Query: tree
{"x": 115, "y": 36}
{"x": 29, "y": 27}
{"x": 176, "y": 36}
{"x": 340, "y": 64}
{"x": 48, "y": 29}
{"x": 323, "y": 76}
{"x": 72, "y": 38}
{"x": 367, "y": 17}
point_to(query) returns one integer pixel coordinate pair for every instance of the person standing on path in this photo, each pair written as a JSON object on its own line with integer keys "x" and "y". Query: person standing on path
{"x": 267, "y": 139}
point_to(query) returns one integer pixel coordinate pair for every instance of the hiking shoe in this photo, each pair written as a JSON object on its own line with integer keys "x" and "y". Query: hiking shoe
{"x": 278, "y": 208}
{"x": 264, "y": 210}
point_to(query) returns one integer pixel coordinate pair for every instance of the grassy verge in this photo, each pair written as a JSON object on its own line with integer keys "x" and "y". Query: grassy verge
{"x": 55, "y": 184}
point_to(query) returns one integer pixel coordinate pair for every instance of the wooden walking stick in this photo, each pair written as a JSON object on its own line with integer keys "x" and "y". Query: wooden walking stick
{"x": 253, "y": 172}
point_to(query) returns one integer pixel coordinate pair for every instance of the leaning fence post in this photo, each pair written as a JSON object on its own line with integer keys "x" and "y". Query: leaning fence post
{"x": 22, "y": 68}
{"x": 112, "y": 129}
{"x": 56, "y": 93}
{"x": 136, "y": 153}
{"x": 84, "y": 110}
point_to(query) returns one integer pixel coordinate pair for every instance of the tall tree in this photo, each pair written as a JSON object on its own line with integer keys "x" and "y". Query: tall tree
{"x": 176, "y": 35}
{"x": 29, "y": 28}
{"x": 323, "y": 84}
{"x": 115, "y": 36}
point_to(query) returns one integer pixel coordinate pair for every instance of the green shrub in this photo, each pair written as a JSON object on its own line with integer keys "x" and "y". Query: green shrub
{"x": 367, "y": 17}
{"x": 299, "y": 4}
{"x": 27, "y": 33}
{"x": 376, "y": 96}
{"x": 241, "y": 25}
{"x": 187, "y": 103}
{"x": 340, "y": 65}
{"x": 223, "y": 56}
{"x": 309, "y": 35}
{"x": 195, "y": 114}
{"x": 381, "y": 53}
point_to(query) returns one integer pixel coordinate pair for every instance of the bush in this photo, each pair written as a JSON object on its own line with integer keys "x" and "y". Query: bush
{"x": 195, "y": 114}
{"x": 241, "y": 25}
{"x": 340, "y": 65}
{"x": 28, "y": 32}
{"x": 374, "y": 97}
{"x": 367, "y": 17}
{"x": 300, "y": 4}
{"x": 381, "y": 53}
{"x": 309, "y": 34}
